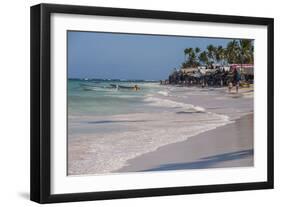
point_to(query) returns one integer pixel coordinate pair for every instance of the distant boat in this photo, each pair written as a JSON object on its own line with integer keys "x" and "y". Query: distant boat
{"x": 117, "y": 86}
{"x": 123, "y": 87}
{"x": 82, "y": 85}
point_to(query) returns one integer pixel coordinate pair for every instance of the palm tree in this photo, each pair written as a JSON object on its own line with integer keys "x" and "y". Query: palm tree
{"x": 197, "y": 51}
{"x": 245, "y": 51}
{"x": 252, "y": 54}
{"x": 191, "y": 57}
{"x": 232, "y": 50}
{"x": 203, "y": 57}
{"x": 187, "y": 52}
{"x": 220, "y": 54}
{"x": 211, "y": 53}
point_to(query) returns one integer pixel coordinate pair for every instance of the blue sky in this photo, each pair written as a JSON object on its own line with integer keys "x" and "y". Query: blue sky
{"x": 128, "y": 56}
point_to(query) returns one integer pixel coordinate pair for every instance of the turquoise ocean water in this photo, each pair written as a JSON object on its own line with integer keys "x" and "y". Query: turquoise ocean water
{"x": 101, "y": 97}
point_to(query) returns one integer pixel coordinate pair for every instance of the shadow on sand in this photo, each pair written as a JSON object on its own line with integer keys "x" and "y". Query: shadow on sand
{"x": 205, "y": 162}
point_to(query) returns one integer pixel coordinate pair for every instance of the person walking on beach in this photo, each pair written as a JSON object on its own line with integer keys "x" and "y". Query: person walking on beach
{"x": 230, "y": 85}
{"x": 236, "y": 79}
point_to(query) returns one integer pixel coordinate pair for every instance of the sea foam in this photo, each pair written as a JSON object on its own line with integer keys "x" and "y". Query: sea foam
{"x": 167, "y": 103}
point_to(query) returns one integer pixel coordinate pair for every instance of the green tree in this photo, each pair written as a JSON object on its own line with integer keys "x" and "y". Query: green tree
{"x": 187, "y": 52}
{"x": 191, "y": 57}
{"x": 197, "y": 53}
{"x": 245, "y": 53}
{"x": 192, "y": 62}
{"x": 220, "y": 54}
{"x": 232, "y": 51}
{"x": 211, "y": 51}
{"x": 197, "y": 50}
{"x": 252, "y": 54}
{"x": 203, "y": 58}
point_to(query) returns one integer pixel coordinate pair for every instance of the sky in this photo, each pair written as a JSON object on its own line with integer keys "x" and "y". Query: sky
{"x": 128, "y": 56}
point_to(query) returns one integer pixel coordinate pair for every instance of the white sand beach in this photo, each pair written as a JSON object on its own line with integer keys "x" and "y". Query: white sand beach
{"x": 227, "y": 146}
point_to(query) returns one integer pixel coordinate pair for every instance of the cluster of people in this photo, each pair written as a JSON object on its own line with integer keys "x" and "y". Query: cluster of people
{"x": 214, "y": 77}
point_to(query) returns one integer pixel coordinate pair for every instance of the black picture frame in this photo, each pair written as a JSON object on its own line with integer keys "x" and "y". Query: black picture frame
{"x": 40, "y": 184}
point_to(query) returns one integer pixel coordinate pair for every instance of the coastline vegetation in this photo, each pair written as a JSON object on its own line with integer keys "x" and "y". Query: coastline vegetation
{"x": 232, "y": 65}
{"x": 236, "y": 51}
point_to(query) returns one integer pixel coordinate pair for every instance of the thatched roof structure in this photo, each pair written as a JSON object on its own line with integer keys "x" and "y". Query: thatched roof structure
{"x": 188, "y": 70}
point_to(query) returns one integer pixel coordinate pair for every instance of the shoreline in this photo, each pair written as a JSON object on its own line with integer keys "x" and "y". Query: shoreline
{"x": 230, "y": 145}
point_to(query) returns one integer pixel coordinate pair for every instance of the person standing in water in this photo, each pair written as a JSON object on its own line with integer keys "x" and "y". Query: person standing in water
{"x": 136, "y": 88}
